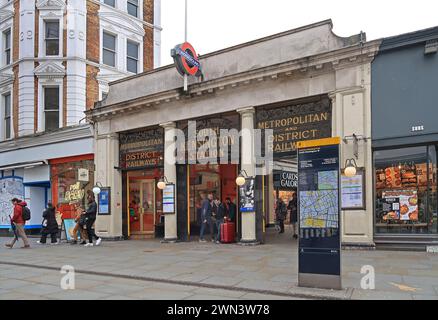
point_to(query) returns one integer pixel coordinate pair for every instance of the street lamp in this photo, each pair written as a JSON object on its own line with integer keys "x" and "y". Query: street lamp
{"x": 350, "y": 168}
{"x": 162, "y": 183}
{"x": 97, "y": 188}
{"x": 241, "y": 179}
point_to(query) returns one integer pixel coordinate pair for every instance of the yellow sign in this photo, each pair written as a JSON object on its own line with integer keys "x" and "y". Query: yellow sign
{"x": 75, "y": 193}
{"x": 318, "y": 143}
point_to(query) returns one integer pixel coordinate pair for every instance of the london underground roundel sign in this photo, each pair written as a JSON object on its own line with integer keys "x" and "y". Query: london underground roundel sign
{"x": 186, "y": 60}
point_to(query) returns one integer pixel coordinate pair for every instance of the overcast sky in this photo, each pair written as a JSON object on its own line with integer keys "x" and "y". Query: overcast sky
{"x": 217, "y": 24}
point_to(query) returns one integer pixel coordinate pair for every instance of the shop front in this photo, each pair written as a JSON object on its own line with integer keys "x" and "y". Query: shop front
{"x": 141, "y": 161}
{"x": 405, "y": 141}
{"x": 316, "y": 90}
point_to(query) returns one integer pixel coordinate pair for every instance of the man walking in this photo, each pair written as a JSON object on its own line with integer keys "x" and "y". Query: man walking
{"x": 219, "y": 210}
{"x": 206, "y": 211}
{"x": 90, "y": 216}
{"x": 18, "y": 223}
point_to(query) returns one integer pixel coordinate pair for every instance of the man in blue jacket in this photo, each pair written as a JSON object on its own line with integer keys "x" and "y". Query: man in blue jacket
{"x": 206, "y": 210}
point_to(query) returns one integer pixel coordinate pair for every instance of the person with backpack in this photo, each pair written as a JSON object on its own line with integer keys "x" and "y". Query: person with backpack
{"x": 20, "y": 215}
{"x": 50, "y": 225}
{"x": 280, "y": 214}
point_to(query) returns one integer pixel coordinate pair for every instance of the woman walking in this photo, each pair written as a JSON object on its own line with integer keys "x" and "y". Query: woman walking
{"x": 50, "y": 225}
{"x": 90, "y": 216}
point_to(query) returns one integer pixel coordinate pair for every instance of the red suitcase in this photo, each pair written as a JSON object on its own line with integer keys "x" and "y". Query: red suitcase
{"x": 228, "y": 232}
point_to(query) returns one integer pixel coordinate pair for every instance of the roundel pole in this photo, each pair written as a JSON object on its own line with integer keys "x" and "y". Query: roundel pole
{"x": 185, "y": 40}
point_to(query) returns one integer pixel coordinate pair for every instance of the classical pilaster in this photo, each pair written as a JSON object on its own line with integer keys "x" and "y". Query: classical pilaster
{"x": 170, "y": 231}
{"x": 248, "y": 164}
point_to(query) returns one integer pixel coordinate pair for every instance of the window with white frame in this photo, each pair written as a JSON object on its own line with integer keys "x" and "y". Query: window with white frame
{"x": 7, "y": 46}
{"x": 132, "y": 6}
{"x": 51, "y": 108}
{"x": 111, "y": 3}
{"x": 52, "y": 37}
{"x": 109, "y": 49}
{"x": 7, "y": 116}
{"x": 132, "y": 56}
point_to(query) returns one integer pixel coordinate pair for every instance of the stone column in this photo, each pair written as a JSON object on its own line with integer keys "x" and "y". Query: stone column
{"x": 248, "y": 164}
{"x": 170, "y": 225}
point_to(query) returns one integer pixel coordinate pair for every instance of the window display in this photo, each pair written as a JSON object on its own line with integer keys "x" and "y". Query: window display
{"x": 405, "y": 181}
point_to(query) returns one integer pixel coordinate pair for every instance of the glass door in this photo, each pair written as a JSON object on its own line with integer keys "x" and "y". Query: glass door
{"x": 141, "y": 206}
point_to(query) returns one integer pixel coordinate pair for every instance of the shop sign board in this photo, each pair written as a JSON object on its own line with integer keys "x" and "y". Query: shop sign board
{"x": 141, "y": 149}
{"x": 296, "y": 122}
{"x": 246, "y": 192}
{"x": 186, "y": 60}
{"x": 83, "y": 175}
{"x": 169, "y": 199}
{"x": 104, "y": 199}
{"x": 285, "y": 179}
{"x": 353, "y": 191}
{"x": 319, "y": 214}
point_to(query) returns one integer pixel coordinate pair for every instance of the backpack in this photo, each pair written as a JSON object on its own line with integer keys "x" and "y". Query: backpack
{"x": 26, "y": 213}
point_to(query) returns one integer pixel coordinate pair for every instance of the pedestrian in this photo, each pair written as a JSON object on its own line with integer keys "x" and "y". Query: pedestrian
{"x": 79, "y": 227}
{"x": 50, "y": 225}
{"x": 231, "y": 209}
{"x": 18, "y": 224}
{"x": 280, "y": 214}
{"x": 90, "y": 218}
{"x": 219, "y": 210}
{"x": 293, "y": 214}
{"x": 206, "y": 213}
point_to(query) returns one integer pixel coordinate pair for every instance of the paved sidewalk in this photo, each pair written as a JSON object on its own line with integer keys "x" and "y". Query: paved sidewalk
{"x": 152, "y": 270}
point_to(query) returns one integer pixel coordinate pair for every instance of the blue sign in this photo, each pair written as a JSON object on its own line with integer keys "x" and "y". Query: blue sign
{"x": 105, "y": 201}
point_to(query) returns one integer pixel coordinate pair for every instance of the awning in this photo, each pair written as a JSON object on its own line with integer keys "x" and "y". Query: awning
{"x": 25, "y": 165}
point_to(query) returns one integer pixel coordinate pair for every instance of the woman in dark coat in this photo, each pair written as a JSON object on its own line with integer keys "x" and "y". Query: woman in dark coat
{"x": 50, "y": 225}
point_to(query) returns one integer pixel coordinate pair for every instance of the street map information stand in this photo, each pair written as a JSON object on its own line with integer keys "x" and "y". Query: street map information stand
{"x": 319, "y": 257}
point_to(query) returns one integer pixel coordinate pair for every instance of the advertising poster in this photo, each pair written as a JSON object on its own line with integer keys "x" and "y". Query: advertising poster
{"x": 400, "y": 205}
{"x": 169, "y": 199}
{"x": 69, "y": 225}
{"x": 104, "y": 201}
{"x": 247, "y": 196}
{"x": 9, "y": 188}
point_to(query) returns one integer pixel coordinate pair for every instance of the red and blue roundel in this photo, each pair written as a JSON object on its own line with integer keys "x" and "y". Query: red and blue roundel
{"x": 186, "y": 60}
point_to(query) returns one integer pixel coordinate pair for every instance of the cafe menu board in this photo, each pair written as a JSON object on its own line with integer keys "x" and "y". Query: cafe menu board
{"x": 169, "y": 199}
{"x": 353, "y": 191}
{"x": 400, "y": 205}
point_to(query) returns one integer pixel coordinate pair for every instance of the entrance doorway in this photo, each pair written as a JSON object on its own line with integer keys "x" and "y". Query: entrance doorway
{"x": 220, "y": 180}
{"x": 142, "y": 207}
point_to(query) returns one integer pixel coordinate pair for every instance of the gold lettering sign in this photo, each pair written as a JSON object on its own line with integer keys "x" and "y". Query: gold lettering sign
{"x": 75, "y": 193}
{"x": 296, "y": 122}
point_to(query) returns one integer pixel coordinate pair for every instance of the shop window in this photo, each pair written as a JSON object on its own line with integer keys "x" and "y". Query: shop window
{"x": 7, "y": 121}
{"x": 51, "y": 108}
{"x": 71, "y": 182}
{"x": 109, "y": 49}
{"x": 406, "y": 190}
{"x": 7, "y": 46}
{"x": 132, "y": 57}
{"x": 132, "y": 6}
{"x": 52, "y": 38}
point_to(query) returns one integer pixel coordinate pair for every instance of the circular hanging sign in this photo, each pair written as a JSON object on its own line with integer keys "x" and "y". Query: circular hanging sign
{"x": 186, "y": 60}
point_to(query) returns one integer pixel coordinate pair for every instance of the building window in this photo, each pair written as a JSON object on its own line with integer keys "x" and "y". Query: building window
{"x": 7, "y": 46}
{"x": 133, "y": 7}
{"x": 406, "y": 190}
{"x": 51, "y": 108}
{"x": 132, "y": 57}
{"x": 52, "y": 38}
{"x": 109, "y": 49}
{"x": 7, "y": 115}
{"x": 111, "y": 3}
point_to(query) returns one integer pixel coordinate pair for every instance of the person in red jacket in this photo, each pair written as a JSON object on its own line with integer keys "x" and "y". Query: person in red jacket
{"x": 18, "y": 221}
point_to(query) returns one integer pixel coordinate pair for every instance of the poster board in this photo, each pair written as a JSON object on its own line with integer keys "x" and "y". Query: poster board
{"x": 169, "y": 199}
{"x": 353, "y": 191}
{"x": 68, "y": 226}
{"x": 246, "y": 193}
{"x": 104, "y": 201}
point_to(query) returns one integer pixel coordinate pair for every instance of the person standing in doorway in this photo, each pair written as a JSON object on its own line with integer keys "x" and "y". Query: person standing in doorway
{"x": 231, "y": 209}
{"x": 280, "y": 214}
{"x": 50, "y": 225}
{"x": 206, "y": 212}
{"x": 18, "y": 223}
{"x": 220, "y": 214}
{"x": 90, "y": 216}
{"x": 293, "y": 211}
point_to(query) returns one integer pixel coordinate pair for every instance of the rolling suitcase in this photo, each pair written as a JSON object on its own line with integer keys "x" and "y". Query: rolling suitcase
{"x": 227, "y": 232}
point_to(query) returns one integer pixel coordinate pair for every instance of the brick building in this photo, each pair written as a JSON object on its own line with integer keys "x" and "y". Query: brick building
{"x": 57, "y": 58}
